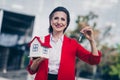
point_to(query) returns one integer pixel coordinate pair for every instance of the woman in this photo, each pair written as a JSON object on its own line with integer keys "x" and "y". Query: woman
{"x": 61, "y": 62}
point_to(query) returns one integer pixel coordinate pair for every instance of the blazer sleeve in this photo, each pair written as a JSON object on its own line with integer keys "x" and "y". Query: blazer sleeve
{"x": 28, "y": 68}
{"x": 87, "y": 56}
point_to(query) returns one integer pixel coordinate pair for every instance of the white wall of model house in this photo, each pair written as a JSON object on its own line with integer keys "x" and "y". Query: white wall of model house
{"x": 37, "y": 49}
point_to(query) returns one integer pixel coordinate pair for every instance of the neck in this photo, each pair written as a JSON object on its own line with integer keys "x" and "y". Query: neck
{"x": 57, "y": 35}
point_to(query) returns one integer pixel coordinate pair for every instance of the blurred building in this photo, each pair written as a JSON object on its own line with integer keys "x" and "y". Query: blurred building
{"x": 15, "y": 33}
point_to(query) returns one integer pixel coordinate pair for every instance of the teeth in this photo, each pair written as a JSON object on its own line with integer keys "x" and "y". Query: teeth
{"x": 58, "y": 26}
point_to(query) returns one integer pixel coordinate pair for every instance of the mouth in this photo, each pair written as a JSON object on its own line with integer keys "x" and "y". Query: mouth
{"x": 58, "y": 26}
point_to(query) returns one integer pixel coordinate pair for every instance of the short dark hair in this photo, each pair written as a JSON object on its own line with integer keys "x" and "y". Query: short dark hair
{"x": 55, "y": 10}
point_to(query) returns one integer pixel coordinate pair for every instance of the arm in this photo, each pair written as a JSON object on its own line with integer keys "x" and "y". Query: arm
{"x": 88, "y": 56}
{"x": 34, "y": 65}
{"x": 94, "y": 56}
{"x": 88, "y": 33}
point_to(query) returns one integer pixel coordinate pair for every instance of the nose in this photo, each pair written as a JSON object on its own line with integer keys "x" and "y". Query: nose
{"x": 59, "y": 21}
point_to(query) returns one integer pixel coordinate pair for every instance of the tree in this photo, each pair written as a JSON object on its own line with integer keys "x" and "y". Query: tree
{"x": 110, "y": 66}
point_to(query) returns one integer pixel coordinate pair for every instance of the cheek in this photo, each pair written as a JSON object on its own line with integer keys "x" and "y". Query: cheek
{"x": 51, "y": 22}
{"x": 65, "y": 23}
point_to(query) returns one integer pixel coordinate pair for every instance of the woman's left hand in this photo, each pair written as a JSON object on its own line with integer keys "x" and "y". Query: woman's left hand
{"x": 88, "y": 33}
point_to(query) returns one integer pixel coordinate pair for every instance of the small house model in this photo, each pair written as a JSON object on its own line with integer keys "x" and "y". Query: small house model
{"x": 39, "y": 48}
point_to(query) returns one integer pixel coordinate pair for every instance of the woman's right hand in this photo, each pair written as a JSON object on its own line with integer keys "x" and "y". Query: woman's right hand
{"x": 36, "y": 62}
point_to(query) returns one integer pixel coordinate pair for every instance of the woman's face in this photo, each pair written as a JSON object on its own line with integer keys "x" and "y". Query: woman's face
{"x": 59, "y": 21}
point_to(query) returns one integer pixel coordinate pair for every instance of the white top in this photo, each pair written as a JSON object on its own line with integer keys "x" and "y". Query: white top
{"x": 54, "y": 55}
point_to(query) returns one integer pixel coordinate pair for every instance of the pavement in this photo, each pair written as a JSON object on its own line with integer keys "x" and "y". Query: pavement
{"x": 21, "y": 75}
{"x": 14, "y": 75}
{"x": 1, "y": 78}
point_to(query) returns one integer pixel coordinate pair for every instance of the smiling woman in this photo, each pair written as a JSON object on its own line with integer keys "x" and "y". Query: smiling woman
{"x": 59, "y": 22}
{"x": 65, "y": 17}
{"x": 61, "y": 62}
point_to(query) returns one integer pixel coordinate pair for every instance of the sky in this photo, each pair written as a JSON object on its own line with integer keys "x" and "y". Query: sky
{"x": 107, "y": 10}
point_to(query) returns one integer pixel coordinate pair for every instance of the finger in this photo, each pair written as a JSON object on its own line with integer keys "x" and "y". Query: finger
{"x": 85, "y": 28}
{"x": 38, "y": 59}
{"x": 33, "y": 58}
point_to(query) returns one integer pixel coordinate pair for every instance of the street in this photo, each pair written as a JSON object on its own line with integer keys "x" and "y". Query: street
{"x": 21, "y": 75}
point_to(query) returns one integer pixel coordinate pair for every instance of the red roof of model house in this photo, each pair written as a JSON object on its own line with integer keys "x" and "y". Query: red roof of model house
{"x": 44, "y": 44}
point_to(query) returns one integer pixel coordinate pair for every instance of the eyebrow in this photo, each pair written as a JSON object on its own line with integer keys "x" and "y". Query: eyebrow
{"x": 58, "y": 17}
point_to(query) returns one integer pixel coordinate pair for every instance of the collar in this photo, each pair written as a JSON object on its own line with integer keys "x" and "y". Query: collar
{"x": 60, "y": 38}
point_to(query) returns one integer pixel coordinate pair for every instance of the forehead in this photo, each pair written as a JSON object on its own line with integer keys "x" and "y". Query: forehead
{"x": 60, "y": 13}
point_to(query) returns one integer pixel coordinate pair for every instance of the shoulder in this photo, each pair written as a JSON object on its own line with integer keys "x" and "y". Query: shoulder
{"x": 71, "y": 40}
{"x": 47, "y": 36}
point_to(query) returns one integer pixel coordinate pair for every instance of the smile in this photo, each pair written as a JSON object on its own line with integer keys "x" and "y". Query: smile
{"x": 58, "y": 26}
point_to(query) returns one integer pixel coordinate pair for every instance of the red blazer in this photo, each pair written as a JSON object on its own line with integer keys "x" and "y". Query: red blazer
{"x": 70, "y": 49}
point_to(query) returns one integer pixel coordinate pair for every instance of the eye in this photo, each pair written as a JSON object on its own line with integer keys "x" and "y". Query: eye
{"x": 55, "y": 18}
{"x": 63, "y": 19}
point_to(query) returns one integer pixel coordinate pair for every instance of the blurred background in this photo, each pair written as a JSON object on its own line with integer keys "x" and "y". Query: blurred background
{"x": 21, "y": 20}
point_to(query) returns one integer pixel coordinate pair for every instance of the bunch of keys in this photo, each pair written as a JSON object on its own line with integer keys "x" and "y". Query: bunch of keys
{"x": 80, "y": 37}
